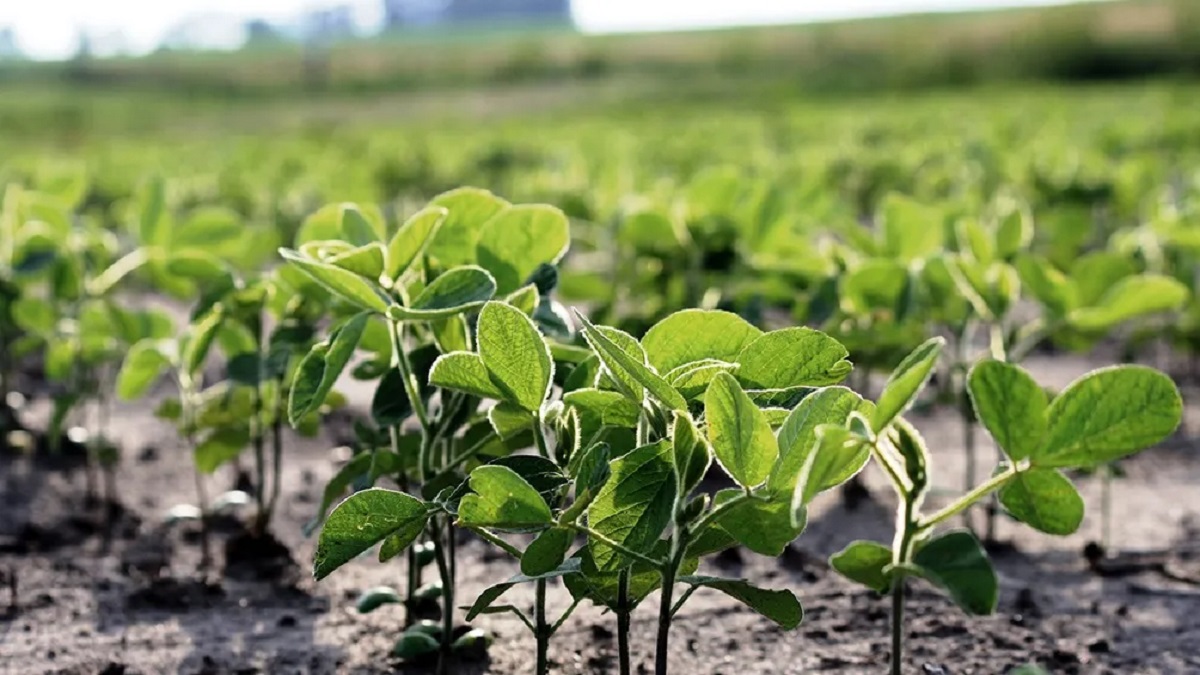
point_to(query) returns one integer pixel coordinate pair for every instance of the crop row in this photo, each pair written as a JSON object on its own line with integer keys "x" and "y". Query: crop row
{"x": 498, "y": 410}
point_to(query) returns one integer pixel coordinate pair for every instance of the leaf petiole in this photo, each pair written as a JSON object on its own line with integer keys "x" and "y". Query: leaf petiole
{"x": 964, "y": 502}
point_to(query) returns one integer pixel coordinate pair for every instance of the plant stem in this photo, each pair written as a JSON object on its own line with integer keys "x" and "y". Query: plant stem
{"x": 968, "y": 418}
{"x": 276, "y": 459}
{"x": 623, "y": 611}
{"x": 665, "y": 608}
{"x": 541, "y": 629}
{"x": 897, "y": 626}
{"x": 439, "y": 554}
{"x": 202, "y": 498}
{"x": 964, "y": 502}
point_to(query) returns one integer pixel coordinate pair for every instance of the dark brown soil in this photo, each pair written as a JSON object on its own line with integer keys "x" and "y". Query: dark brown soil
{"x": 124, "y": 595}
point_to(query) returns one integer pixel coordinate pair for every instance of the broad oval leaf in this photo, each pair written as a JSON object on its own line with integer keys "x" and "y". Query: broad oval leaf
{"x": 145, "y": 362}
{"x": 364, "y": 519}
{"x": 792, "y": 357}
{"x": 864, "y": 562}
{"x": 502, "y": 499}
{"x": 606, "y": 407}
{"x": 781, "y": 607}
{"x": 464, "y": 371}
{"x": 357, "y": 228}
{"x": 692, "y": 379}
{"x": 740, "y": 435}
{"x": 459, "y": 290}
{"x": 697, "y": 334}
{"x": 763, "y": 526}
{"x": 956, "y": 562}
{"x": 469, "y": 209}
{"x": 628, "y": 369}
{"x": 515, "y": 355}
{"x": 343, "y": 283}
{"x": 1010, "y": 404}
{"x": 219, "y": 447}
{"x": 905, "y": 382}
{"x": 1043, "y": 499}
{"x": 327, "y": 362}
{"x": 1130, "y": 298}
{"x": 1108, "y": 414}
{"x": 635, "y": 505}
{"x": 365, "y": 261}
{"x": 547, "y": 552}
{"x": 411, "y": 240}
{"x": 517, "y": 240}
{"x": 798, "y": 437}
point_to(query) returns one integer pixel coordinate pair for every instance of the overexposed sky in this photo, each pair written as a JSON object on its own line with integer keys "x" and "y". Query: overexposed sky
{"x": 49, "y": 28}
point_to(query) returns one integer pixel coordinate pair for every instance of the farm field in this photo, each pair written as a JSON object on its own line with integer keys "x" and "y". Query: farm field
{"x": 728, "y": 376}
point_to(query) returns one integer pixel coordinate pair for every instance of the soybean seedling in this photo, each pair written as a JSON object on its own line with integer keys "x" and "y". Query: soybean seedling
{"x": 1105, "y": 415}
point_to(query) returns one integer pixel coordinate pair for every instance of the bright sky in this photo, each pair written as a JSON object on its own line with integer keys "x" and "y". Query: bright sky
{"x": 49, "y": 28}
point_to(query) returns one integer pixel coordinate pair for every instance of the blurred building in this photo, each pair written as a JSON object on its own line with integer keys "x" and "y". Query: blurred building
{"x": 400, "y": 14}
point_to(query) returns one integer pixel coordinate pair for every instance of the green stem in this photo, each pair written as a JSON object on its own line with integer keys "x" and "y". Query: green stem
{"x": 539, "y": 437}
{"x": 492, "y": 538}
{"x": 665, "y": 608}
{"x": 276, "y": 460}
{"x": 439, "y": 554}
{"x": 413, "y": 391}
{"x": 541, "y": 629}
{"x": 964, "y": 502}
{"x": 897, "y": 626}
{"x": 1106, "y": 479}
{"x": 623, "y": 611}
{"x": 902, "y": 484}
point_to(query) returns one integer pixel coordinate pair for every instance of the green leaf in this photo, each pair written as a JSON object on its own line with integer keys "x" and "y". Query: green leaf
{"x": 692, "y": 453}
{"x": 1014, "y": 233}
{"x": 606, "y": 407}
{"x": 401, "y": 539}
{"x": 910, "y": 230}
{"x": 451, "y": 334}
{"x": 34, "y": 315}
{"x": 360, "y": 465}
{"x": 692, "y": 379}
{"x": 1108, "y": 414}
{"x": 365, "y": 261}
{"x": 515, "y": 241}
{"x": 836, "y": 453}
{"x": 502, "y": 499}
{"x": 320, "y": 369}
{"x": 342, "y": 283}
{"x": 458, "y": 290}
{"x": 357, "y": 229}
{"x": 764, "y": 527}
{"x": 695, "y": 335}
{"x": 956, "y": 562}
{"x": 1010, "y": 404}
{"x": 413, "y": 237}
{"x": 464, "y": 371}
{"x": 153, "y": 228}
{"x": 364, "y": 519}
{"x": 1045, "y": 500}
{"x": 739, "y": 433}
{"x": 515, "y": 355}
{"x": 491, "y": 594}
{"x": 601, "y": 586}
{"x": 864, "y": 562}
{"x": 798, "y": 437}
{"x": 905, "y": 382}
{"x": 145, "y": 363}
{"x": 1050, "y": 286}
{"x": 525, "y": 298}
{"x": 635, "y": 505}
{"x": 389, "y": 405}
{"x": 200, "y": 338}
{"x": 547, "y": 552}
{"x": 781, "y": 607}
{"x": 626, "y": 368}
{"x": 792, "y": 357}
{"x": 509, "y": 420}
{"x": 469, "y": 209}
{"x": 219, "y": 447}
{"x": 1130, "y": 298}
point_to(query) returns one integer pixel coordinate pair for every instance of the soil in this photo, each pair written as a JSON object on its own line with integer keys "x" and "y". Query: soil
{"x": 125, "y": 595}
